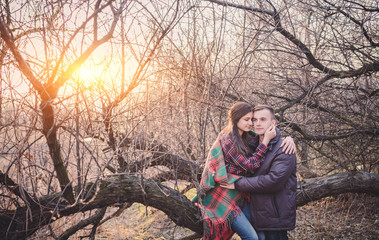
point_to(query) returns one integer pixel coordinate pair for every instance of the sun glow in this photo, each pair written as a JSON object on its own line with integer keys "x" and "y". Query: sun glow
{"x": 89, "y": 75}
{"x": 103, "y": 73}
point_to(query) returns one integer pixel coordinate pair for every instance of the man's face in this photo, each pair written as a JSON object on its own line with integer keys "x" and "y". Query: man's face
{"x": 262, "y": 120}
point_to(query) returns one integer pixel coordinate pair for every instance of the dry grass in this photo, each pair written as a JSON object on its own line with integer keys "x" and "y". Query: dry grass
{"x": 347, "y": 216}
{"x": 140, "y": 223}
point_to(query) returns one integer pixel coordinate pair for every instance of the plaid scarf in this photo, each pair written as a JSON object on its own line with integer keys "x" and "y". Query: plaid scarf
{"x": 219, "y": 206}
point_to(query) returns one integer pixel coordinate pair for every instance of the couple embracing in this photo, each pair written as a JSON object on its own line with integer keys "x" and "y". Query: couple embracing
{"x": 248, "y": 184}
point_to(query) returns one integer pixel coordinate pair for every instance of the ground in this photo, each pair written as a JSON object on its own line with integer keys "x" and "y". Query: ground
{"x": 347, "y": 216}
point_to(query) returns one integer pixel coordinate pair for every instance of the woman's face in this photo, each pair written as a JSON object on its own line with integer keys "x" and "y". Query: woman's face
{"x": 245, "y": 123}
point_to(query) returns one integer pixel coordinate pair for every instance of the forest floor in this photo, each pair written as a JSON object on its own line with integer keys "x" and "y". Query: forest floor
{"x": 347, "y": 216}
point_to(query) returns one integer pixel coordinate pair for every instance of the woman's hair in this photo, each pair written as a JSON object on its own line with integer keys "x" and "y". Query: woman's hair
{"x": 236, "y": 112}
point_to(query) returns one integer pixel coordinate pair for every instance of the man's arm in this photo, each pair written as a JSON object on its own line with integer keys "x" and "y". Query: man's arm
{"x": 281, "y": 169}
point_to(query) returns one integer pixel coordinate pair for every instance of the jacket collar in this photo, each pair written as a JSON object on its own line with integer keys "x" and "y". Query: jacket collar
{"x": 275, "y": 140}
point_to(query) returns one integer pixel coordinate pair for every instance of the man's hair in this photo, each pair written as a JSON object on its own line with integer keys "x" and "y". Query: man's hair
{"x": 260, "y": 107}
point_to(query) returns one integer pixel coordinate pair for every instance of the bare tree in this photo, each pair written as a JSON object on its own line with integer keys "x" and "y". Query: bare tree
{"x": 161, "y": 76}
{"x": 67, "y": 35}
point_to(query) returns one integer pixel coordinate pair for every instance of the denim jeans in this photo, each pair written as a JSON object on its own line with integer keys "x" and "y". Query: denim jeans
{"x": 261, "y": 236}
{"x": 242, "y": 226}
{"x": 276, "y": 235}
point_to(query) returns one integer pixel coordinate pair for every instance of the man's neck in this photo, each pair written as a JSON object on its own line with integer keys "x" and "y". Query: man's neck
{"x": 261, "y": 138}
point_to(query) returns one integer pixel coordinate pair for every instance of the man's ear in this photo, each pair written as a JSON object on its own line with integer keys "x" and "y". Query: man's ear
{"x": 274, "y": 122}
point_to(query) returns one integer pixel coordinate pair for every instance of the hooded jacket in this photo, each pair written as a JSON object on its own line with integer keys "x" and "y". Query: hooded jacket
{"x": 273, "y": 190}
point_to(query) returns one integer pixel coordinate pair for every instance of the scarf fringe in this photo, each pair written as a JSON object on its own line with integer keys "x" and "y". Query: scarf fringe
{"x": 218, "y": 230}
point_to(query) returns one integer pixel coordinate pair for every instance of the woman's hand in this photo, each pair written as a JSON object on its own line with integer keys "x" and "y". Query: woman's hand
{"x": 269, "y": 134}
{"x": 288, "y": 145}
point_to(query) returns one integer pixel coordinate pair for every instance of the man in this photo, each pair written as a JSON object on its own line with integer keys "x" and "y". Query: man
{"x": 273, "y": 186}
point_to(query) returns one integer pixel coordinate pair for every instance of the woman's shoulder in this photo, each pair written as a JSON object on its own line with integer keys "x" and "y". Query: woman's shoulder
{"x": 225, "y": 136}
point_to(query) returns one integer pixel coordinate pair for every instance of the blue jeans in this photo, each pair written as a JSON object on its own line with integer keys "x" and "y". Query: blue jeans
{"x": 261, "y": 236}
{"x": 276, "y": 235}
{"x": 242, "y": 226}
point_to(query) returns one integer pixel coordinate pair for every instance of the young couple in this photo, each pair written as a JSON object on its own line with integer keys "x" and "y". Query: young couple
{"x": 249, "y": 181}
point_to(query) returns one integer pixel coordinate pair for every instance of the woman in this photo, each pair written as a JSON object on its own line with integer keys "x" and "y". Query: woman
{"x": 231, "y": 156}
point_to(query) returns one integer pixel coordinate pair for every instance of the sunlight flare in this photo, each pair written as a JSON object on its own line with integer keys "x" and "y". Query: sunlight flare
{"x": 90, "y": 74}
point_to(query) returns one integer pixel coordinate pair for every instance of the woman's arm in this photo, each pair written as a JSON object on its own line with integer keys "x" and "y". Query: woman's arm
{"x": 248, "y": 164}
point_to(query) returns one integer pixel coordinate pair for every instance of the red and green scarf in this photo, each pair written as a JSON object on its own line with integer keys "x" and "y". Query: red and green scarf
{"x": 218, "y": 205}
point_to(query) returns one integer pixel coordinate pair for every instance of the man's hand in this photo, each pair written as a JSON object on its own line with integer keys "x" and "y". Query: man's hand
{"x": 228, "y": 186}
{"x": 289, "y": 145}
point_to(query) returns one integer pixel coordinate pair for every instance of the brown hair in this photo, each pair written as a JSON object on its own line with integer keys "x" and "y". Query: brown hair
{"x": 235, "y": 113}
{"x": 262, "y": 107}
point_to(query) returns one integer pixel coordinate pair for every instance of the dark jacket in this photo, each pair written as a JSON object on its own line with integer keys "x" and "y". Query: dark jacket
{"x": 273, "y": 190}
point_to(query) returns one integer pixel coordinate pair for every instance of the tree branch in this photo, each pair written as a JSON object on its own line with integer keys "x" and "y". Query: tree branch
{"x": 22, "y": 64}
{"x": 360, "y": 24}
{"x": 15, "y": 188}
{"x": 369, "y": 67}
{"x": 82, "y": 224}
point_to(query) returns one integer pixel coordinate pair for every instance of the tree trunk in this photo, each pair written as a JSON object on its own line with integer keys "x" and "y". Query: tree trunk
{"x": 125, "y": 188}
{"x": 50, "y": 132}
{"x": 316, "y": 188}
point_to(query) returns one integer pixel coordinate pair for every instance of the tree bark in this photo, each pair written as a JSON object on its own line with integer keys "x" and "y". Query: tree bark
{"x": 123, "y": 188}
{"x": 50, "y": 132}
{"x": 317, "y": 188}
